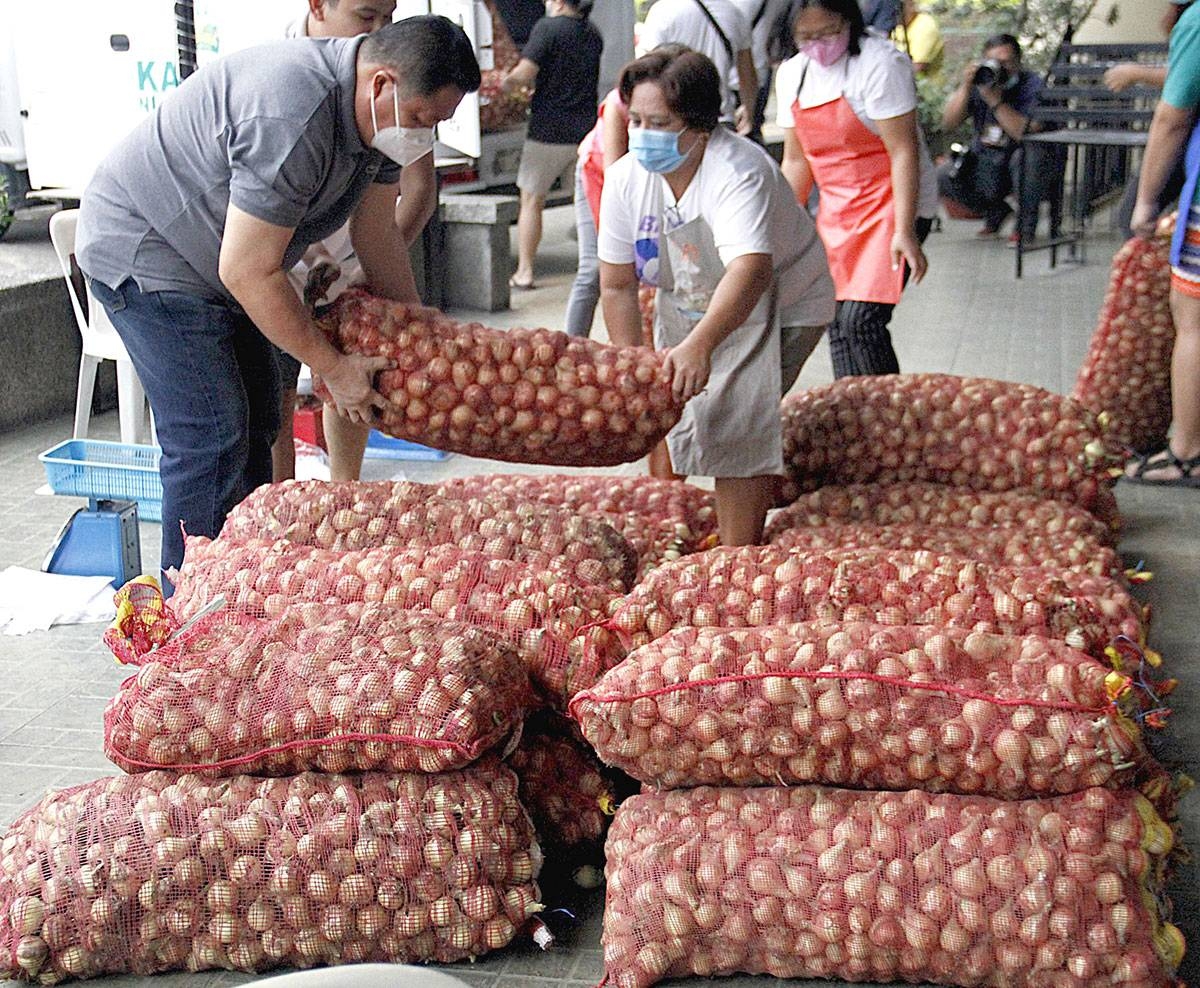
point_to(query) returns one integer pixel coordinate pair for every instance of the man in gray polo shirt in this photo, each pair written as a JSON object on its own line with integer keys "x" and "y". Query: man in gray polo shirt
{"x": 189, "y": 227}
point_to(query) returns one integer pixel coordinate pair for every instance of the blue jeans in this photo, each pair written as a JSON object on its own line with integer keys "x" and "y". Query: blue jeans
{"x": 213, "y": 384}
{"x": 585, "y": 290}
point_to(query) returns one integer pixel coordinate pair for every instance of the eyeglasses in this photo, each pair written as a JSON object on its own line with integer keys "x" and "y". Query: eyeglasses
{"x": 828, "y": 32}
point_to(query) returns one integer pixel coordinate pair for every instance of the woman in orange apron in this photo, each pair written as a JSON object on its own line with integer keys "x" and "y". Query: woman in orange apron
{"x": 848, "y": 104}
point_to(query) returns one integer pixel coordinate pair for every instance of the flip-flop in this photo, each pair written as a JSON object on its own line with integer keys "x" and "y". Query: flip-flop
{"x": 1189, "y": 470}
{"x": 518, "y": 286}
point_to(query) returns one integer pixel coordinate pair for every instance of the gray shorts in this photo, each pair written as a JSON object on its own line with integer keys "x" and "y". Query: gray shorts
{"x": 542, "y": 163}
{"x": 796, "y": 346}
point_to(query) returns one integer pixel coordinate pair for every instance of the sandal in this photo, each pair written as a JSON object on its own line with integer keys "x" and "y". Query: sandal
{"x": 521, "y": 286}
{"x": 1189, "y": 470}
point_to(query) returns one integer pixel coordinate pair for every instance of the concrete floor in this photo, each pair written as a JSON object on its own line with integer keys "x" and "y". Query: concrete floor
{"x": 970, "y": 317}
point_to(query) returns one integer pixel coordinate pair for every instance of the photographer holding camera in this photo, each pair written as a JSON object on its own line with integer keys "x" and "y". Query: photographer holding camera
{"x": 998, "y": 95}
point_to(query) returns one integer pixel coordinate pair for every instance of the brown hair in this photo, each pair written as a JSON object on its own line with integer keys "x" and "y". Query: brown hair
{"x": 688, "y": 80}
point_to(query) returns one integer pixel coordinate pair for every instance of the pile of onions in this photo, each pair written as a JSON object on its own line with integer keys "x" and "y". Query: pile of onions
{"x": 523, "y": 395}
{"x": 965, "y": 432}
{"x": 499, "y": 108}
{"x": 924, "y": 503}
{"x": 1001, "y": 545}
{"x": 752, "y": 586}
{"x": 563, "y": 785}
{"x": 807, "y": 882}
{"x": 357, "y": 515}
{"x": 551, "y": 621}
{"x": 332, "y": 688}
{"x": 166, "y": 872}
{"x": 866, "y": 706}
{"x": 661, "y": 519}
{"x": 1127, "y": 371}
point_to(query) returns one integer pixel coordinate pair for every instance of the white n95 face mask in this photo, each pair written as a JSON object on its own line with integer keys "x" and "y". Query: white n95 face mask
{"x": 403, "y": 145}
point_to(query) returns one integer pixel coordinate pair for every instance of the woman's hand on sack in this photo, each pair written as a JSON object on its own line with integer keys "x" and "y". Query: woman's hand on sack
{"x": 906, "y": 247}
{"x": 351, "y": 384}
{"x": 688, "y": 366}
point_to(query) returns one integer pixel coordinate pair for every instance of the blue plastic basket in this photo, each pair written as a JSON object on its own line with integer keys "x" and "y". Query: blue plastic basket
{"x": 384, "y": 447}
{"x": 106, "y": 470}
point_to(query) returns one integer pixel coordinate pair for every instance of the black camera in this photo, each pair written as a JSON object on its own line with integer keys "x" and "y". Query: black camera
{"x": 991, "y": 73}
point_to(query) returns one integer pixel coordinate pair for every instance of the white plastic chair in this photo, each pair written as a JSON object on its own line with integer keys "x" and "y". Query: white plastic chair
{"x": 100, "y": 342}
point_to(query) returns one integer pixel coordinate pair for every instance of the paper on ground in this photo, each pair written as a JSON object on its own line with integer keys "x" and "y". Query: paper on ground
{"x": 31, "y": 600}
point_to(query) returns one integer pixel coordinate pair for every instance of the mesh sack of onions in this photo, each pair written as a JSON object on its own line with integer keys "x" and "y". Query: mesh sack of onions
{"x": 331, "y": 688}
{"x": 1000, "y": 545}
{"x": 957, "y": 890}
{"x": 967, "y": 432}
{"x": 165, "y": 872}
{"x": 1127, "y": 371}
{"x": 523, "y": 395}
{"x": 500, "y": 108}
{"x": 752, "y": 586}
{"x": 923, "y": 503}
{"x": 548, "y": 619}
{"x": 661, "y": 519}
{"x": 865, "y": 706}
{"x": 358, "y": 515}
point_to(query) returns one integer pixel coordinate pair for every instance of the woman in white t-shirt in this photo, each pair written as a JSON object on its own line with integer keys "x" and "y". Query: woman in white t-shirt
{"x": 743, "y": 293}
{"x": 848, "y": 103}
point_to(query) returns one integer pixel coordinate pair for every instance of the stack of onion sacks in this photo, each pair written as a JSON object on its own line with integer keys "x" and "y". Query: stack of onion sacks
{"x": 523, "y": 395}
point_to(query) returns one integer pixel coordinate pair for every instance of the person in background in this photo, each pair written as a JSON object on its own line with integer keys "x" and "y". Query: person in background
{"x": 999, "y": 100}
{"x": 329, "y": 267}
{"x": 881, "y": 16}
{"x": 1175, "y": 134}
{"x": 189, "y": 227}
{"x": 918, "y": 35}
{"x": 763, "y": 16}
{"x": 718, "y": 30}
{"x": 561, "y": 61}
{"x": 1121, "y": 76}
{"x": 743, "y": 287}
{"x": 848, "y": 102}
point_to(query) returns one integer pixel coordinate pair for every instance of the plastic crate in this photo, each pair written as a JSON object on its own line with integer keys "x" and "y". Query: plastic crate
{"x": 384, "y": 447}
{"x": 107, "y": 470}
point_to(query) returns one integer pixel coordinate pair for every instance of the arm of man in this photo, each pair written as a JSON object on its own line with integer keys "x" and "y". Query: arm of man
{"x": 1011, "y": 120}
{"x": 955, "y": 110}
{"x": 795, "y": 167}
{"x": 381, "y": 249}
{"x": 418, "y": 198}
{"x": 619, "y": 303}
{"x": 1120, "y": 77}
{"x": 1169, "y": 132}
{"x": 251, "y": 267}
{"x": 747, "y": 90}
{"x": 737, "y": 293}
{"x": 899, "y": 135}
{"x": 524, "y": 73}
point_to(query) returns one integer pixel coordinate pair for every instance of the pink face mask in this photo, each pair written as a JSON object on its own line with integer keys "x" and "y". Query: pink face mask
{"x": 826, "y": 51}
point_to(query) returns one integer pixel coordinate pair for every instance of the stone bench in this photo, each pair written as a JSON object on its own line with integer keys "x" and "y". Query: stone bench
{"x": 476, "y": 259}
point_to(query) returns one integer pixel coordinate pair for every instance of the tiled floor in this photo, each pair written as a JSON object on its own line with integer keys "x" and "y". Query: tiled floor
{"x": 969, "y": 317}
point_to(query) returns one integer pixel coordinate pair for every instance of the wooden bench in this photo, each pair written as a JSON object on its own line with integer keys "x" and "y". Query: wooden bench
{"x": 1101, "y": 130}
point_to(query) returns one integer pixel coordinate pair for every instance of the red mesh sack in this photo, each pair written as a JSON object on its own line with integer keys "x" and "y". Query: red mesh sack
{"x": 1001, "y": 545}
{"x": 751, "y": 586}
{"x": 1127, "y": 371}
{"x": 332, "y": 688}
{"x": 524, "y": 395}
{"x": 868, "y": 707}
{"x": 661, "y": 519}
{"x": 919, "y": 502}
{"x": 564, "y": 786}
{"x": 163, "y": 872}
{"x": 548, "y": 619}
{"x": 357, "y": 515}
{"x": 808, "y": 882}
{"x": 967, "y": 432}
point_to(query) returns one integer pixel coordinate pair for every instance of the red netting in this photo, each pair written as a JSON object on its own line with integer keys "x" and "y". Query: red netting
{"x": 919, "y": 502}
{"x": 329, "y": 687}
{"x": 967, "y": 432}
{"x": 566, "y": 789}
{"x": 661, "y": 519}
{"x": 866, "y": 706}
{"x": 358, "y": 515}
{"x": 548, "y": 619}
{"x": 1001, "y": 545}
{"x": 752, "y": 586}
{"x": 524, "y": 395}
{"x": 162, "y": 872}
{"x": 958, "y": 890}
{"x": 1127, "y": 371}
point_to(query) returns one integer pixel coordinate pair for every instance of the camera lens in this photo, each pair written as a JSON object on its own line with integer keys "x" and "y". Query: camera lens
{"x": 985, "y": 75}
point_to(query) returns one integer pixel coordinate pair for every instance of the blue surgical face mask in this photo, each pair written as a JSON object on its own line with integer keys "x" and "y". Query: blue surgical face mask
{"x": 657, "y": 150}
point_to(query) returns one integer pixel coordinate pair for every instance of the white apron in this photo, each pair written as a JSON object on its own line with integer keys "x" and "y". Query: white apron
{"x": 732, "y": 428}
